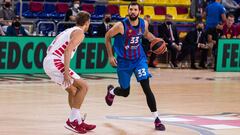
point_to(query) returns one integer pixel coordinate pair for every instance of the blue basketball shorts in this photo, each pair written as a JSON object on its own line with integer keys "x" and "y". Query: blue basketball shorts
{"x": 126, "y": 68}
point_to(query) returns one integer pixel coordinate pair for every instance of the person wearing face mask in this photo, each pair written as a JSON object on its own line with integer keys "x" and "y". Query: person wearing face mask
{"x": 194, "y": 39}
{"x": 105, "y": 26}
{"x": 169, "y": 33}
{"x": 73, "y": 11}
{"x": 7, "y": 13}
{"x": 16, "y": 29}
{"x": 213, "y": 35}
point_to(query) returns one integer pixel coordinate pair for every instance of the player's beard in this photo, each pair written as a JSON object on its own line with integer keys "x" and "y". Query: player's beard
{"x": 133, "y": 18}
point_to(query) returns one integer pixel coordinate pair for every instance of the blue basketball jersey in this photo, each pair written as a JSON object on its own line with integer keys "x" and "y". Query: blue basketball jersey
{"x": 129, "y": 45}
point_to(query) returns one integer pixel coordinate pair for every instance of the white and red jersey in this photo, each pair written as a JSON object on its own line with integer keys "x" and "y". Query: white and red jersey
{"x": 60, "y": 43}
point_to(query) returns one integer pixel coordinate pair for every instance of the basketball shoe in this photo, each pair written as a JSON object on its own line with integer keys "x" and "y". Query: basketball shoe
{"x": 109, "y": 97}
{"x": 86, "y": 126}
{"x": 75, "y": 127}
{"x": 159, "y": 125}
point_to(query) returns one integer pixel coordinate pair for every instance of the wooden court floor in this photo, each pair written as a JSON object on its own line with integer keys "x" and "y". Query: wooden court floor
{"x": 191, "y": 102}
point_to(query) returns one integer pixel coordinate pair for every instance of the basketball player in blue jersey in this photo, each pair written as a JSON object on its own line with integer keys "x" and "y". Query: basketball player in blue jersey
{"x": 131, "y": 58}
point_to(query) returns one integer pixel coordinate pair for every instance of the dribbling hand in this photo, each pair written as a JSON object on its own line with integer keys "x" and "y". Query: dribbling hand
{"x": 113, "y": 61}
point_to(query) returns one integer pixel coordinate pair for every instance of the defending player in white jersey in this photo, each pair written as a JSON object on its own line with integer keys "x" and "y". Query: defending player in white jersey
{"x": 57, "y": 66}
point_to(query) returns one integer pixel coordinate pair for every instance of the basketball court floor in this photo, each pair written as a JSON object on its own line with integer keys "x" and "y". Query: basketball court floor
{"x": 191, "y": 102}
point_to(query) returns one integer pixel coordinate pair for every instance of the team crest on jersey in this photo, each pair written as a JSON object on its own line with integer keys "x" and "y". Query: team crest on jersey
{"x": 130, "y": 31}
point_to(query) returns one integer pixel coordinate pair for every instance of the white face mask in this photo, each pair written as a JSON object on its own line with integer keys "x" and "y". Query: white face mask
{"x": 76, "y": 6}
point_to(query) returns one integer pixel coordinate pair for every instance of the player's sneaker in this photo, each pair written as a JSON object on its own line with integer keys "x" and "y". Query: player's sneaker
{"x": 86, "y": 126}
{"x": 159, "y": 125}
{"x": 109, "y": 97}
{"x": 75, "y": 127}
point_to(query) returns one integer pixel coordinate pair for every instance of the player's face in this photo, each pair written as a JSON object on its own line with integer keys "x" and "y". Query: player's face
{"x": 133, "y": 12}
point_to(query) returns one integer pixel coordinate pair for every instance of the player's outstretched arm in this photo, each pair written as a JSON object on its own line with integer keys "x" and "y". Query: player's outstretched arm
{"x": 116, "y": 29}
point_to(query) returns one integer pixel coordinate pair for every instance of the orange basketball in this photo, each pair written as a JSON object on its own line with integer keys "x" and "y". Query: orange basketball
{"x": 158, "y": 46}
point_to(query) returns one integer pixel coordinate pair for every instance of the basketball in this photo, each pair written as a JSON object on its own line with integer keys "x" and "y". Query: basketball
{"x": 158, "y": 46}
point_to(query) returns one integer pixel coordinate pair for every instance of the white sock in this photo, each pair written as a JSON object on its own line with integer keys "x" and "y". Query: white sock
{"x": 112, "y": 91}
{"x": 75, "y": 114}
{"x": 155, "y": 114}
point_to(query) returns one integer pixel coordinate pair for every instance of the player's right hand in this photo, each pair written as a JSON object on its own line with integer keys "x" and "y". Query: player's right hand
{"x": 67, "y": 79}
{"x": 113, "y": 61}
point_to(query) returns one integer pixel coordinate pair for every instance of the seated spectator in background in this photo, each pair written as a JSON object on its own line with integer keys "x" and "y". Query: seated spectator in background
{"x": 73, "y": 11}
{"x": 238, "y": 30}
{"x": 146, "y": 43}
{"x": 1, "y": 31}
{"x": 70, "y": 16}
{"x": 195, "y": 39}
{"x": 214, "y": 13}
{"x": 105, "y": 25}
{"x": 213, "y": 35}
{"x": 6, "y": 13}
{"x": 16, "y": 29}
{"x": 168, "y": 32}
{"x": 229, "y": 30}
{"x": 232, "y": 7}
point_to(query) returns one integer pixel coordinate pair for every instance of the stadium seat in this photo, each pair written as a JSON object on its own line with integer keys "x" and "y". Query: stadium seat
{"x": 160, "y": 12}
{"x": 124, "y": 2}
{"x": 183, "y": 2}
{"x": 61, "y": 26}
{"x": 48, "y": 12}
{"x": 161, "y": 2}
{"x": 88, "y": 1}
{"x": 44, "y": 27}
{"x": 172, "y": 11}
{"x": 35, "y": 8}
{"x": 114, "y": 11}
{"x": 99, "y": 12}
{"x": 183, "y": 14}
{"x": 146, "y": 2}
{"x": 114, "y": 1}
{"x": 149, "y": 10}
{"x": 61, "y": 9}
{"x": 89, "y": 8}
{"x": 25, "y": 7}
{"x": 123, "y": 10}
{"x": 67, "y": 1}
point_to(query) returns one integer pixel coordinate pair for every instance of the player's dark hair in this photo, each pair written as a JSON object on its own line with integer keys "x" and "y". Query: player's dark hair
{"x": 134, "y": 4}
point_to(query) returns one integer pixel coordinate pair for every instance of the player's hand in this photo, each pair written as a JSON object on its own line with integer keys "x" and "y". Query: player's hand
{"x": 113, "y": 61}
{"x": 67, "y": 79}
